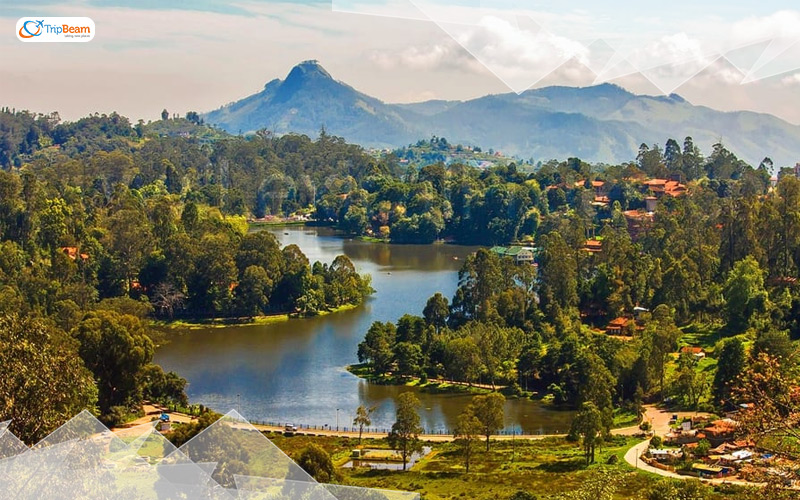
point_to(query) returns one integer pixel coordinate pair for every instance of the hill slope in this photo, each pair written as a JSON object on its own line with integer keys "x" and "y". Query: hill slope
{"x": 603, "y": 123}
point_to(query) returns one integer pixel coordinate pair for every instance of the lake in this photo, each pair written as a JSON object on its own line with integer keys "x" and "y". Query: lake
{"x": 295, "y": 371}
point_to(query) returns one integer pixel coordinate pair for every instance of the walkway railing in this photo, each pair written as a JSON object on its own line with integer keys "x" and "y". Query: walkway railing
{"x": 384, "y": 430}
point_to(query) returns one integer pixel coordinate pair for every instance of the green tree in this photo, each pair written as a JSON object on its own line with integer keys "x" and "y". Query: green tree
{"x": 689, "y": 384}
{"x": 558, "y": 280}
{"x": 363, "y": 419}
{"x": 730, "y": 365}
{"x": 466, "y": 433}
{"x": 406, "y": 429}
{"x": 436, "y": 311}
{"x": 253, "y": 291}
{"x": 777, "y": 345}
{"x": 462, "y": 361}
{"x": 165, "y": 388}
{"x": 317, "y": 463}
{"x": 376, "y": 349}
{"x": 130, "y": 240}
{"x": 409, "y": 358}
{"x": 489, "y": 409}
{"x": 43, "y": 382}
{"x": 116, "y": 349}
{"x": 744, "y": 293}
{"x": 703, "y": 447}
{"x": 660, "y": 341}
{"x": 588, "y": 426}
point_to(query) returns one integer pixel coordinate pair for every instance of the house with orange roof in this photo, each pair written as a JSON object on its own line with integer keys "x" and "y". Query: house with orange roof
{"x": 720, "y": 431}
{"x": 638, "y": 221}
{"x": 72, "y": 253}
{"x": 593, "y": 246}
{"x": 618, "y": 325}
{"x": 697, "y": 352}
{"x": 661, "y": 187}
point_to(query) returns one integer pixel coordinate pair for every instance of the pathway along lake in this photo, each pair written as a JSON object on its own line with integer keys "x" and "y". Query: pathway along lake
{"x": 295, "y": 371}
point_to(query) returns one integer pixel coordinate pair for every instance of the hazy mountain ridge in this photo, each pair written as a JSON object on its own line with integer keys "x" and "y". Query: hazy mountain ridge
{"x": 603, "y": 123}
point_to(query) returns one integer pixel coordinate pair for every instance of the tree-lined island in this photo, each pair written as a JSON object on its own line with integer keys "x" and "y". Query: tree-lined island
{"x": 669, "y": 279}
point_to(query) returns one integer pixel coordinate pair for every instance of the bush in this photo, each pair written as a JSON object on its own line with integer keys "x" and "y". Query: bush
{"x": 702, "y": 448}
{"x": 522, "y": 495}
{"x": 656, "y": 442}
{"x": 514, "y": 389}
{"x": 612, "y": 459}
{"x": 117, "y": 415}
{"x": 317, "y": 462}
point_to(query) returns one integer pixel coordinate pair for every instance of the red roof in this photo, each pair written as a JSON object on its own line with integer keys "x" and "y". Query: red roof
{"x": 620, "y": 322}
{"x": 664, "y": 186}
{"x": 72, "y": 253}
{"x": 692, "y": 350}
{"x": 637, "y": 214}
{"x": 593, "y": 246}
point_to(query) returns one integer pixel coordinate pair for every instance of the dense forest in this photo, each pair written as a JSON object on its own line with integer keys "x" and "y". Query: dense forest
{"x": 106, "y": 225}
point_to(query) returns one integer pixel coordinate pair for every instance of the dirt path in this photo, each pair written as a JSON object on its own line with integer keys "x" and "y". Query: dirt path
{"x": 153, "y": 412}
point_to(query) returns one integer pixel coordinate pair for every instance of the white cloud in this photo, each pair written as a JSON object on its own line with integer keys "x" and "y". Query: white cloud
{"x": 446, "y": 54}
{"x": 791, "y": 80}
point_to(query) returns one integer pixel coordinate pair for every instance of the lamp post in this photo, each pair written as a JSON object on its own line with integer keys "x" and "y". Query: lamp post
{"x": 337, "y": 419}
{"x": 239, "y": 403}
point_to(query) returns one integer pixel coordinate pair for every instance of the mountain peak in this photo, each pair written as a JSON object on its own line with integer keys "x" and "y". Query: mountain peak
{"x": 307, "y": 70}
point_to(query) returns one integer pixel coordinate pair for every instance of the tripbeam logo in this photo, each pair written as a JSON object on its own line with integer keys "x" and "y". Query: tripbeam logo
{"x": 55, "y": 29}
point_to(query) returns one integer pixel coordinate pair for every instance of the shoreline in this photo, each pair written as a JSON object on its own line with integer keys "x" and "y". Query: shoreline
{"x": 436, "y": 386}
{"x": 440, "y": 386}
{"x": 205, "y": 323}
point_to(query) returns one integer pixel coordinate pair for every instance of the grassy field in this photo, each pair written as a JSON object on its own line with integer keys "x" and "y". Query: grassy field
{"x": 545, "y": 467}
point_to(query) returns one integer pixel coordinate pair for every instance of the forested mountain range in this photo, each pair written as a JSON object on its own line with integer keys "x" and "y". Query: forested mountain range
{"x": 603, "y": 123}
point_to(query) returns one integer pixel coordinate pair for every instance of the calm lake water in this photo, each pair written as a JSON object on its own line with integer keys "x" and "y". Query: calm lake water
{"x": 295, "y": 371}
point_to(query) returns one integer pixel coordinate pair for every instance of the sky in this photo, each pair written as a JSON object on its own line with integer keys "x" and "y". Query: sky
{"x": 196, "y": 55}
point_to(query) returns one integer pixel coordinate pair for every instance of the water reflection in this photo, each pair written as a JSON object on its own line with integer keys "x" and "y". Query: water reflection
{"x": 294, "y": 371}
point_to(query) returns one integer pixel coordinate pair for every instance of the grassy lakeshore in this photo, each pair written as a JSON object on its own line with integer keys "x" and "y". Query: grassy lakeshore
{"x": 432, "y": 385}
{"x": 204, "y": 323}
{"x": 277, "y": 223}
{"x": 622, "y": 418}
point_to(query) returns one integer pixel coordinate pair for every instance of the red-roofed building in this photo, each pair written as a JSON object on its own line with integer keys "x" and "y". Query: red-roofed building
{"x": 638, "y": 222}
{"x": 593, "y": 246}
{"x": 660, "y": 187}
{"x": 72, "y": 253}
{"x": 720, "y": 431}
{"x": 697, "y": 352}
{"x": 618, "y": 325}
